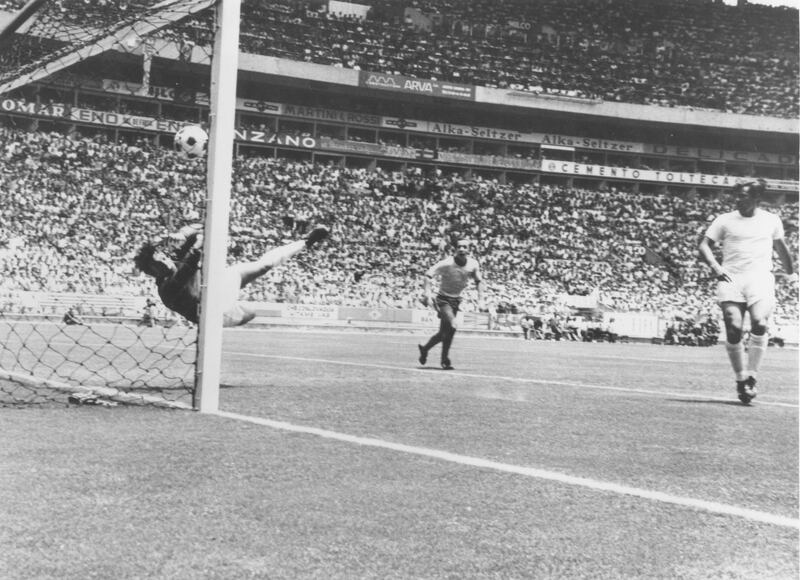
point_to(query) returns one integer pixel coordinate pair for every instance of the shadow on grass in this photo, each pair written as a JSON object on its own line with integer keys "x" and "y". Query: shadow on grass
{"x": 710, "y": 402}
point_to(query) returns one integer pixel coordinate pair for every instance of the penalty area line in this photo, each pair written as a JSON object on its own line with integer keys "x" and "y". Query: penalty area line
{"x": 576, "y": 385}
{"x": 583, "y": 482}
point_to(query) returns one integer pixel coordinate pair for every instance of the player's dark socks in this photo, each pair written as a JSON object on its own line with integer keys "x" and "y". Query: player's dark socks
{"x": 435, "y": 339}
{"x": 317, "y": 235}
{"x": 447, "y": 341}
{"x": 423, "y": 354}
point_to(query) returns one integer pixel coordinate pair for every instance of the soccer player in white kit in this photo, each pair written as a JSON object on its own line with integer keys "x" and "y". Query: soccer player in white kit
{"x": 455, "y": 273}
{"x": 747, "y": 237}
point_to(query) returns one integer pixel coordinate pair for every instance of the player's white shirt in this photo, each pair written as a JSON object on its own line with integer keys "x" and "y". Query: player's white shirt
{"x": 746, "y": 241}
{"x": 454, "y": 277}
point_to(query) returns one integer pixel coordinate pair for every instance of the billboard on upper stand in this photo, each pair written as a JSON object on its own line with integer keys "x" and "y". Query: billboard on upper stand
{"x": 414, "y": 86}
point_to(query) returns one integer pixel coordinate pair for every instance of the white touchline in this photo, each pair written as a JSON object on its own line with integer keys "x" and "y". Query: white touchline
{"x": 704, "y": 397}
{"x": 593, "y": 484}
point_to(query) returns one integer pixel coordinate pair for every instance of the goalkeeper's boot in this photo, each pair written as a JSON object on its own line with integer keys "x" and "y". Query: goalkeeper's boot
{"x": 447, "y": 365}
{"x": 423, "y": 354}
{"x": 745, "y": 391}
{"x": 317, "y": 235}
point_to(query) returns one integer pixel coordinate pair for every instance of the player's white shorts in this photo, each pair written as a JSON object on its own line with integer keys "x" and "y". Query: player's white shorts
{"x": 234, "y": 313}
{"x": 748, "y": 288}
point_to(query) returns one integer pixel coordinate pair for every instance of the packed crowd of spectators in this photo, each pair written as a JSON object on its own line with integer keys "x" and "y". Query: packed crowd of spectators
{"x": 692, "y": 332}
{"x": 688, "y": 53}
{"x": 76, "y": 209}
{"x": 691, "y": 53}
{"x": 11, "y": 5}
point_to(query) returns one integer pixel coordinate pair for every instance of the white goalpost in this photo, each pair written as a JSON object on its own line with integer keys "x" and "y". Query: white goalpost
{"x": 43, "y": 359}
{"x": 224, "y": 70}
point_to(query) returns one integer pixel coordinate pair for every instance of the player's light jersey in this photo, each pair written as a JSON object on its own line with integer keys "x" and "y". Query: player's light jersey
{"x": 454, "y": 277}
{"x": 746, "y": 241}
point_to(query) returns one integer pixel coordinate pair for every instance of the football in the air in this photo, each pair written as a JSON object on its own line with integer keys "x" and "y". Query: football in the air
{"x": 191, "y": 141}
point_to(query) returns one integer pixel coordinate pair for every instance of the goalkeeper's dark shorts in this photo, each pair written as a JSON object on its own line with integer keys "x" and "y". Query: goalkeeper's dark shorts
{"x": 452, "y": 301}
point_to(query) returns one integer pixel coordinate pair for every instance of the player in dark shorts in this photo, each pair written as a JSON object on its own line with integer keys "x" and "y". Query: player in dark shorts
{"x": 178, "y": 280}
{"x": 455, "y": 272}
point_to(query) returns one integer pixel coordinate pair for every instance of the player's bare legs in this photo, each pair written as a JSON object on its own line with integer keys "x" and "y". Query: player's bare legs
{"x": 733, "y": 316}
{"x": 275, "y": 257}
{"x": 252, "y": 270}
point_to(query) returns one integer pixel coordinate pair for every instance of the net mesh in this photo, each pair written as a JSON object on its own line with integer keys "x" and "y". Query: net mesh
{"x": 88, "y": 180}
{"x": 44, "y": 361}
{"x": 65, "y": 32}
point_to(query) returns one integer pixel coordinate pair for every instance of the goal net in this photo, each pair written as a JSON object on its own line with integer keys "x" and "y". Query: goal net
{"x": 91, "y": 94}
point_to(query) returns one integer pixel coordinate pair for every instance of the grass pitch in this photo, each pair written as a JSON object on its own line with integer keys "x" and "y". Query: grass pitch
{"x": 340, "y": 457}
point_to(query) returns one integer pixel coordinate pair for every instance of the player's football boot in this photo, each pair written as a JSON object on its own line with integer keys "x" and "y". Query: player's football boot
{"x": 750, "y": 387}
{"x": 447, "y": 365}
{"x": 317, "y": 235}
{"x": 745, "y": 390}
{"x": 423, "y": 354}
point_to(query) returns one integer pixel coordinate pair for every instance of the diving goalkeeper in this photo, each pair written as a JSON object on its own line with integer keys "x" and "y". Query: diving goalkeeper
{"x": 178, "y": 280}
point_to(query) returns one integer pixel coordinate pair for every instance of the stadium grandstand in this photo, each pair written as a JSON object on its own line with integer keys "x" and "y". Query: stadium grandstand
{"x": 399, "y": 125}
{"x": 580, "y": 150}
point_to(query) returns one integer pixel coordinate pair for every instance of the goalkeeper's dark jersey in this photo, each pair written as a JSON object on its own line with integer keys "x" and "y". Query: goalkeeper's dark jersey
{"x": 181, "y": 291}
